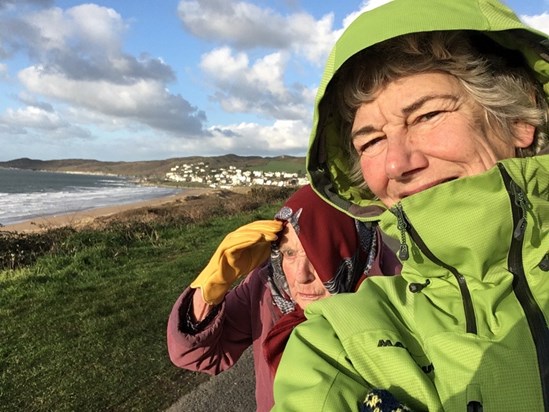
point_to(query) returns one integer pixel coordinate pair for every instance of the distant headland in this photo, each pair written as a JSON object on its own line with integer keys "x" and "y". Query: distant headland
{"x": 216, "y": 171}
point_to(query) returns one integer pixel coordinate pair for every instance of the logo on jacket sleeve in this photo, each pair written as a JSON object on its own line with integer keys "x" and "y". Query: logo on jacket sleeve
{"x": 389, "y": 343}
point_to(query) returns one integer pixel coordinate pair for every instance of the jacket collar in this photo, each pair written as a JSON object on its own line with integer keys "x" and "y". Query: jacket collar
{"x": 468, "y": 223}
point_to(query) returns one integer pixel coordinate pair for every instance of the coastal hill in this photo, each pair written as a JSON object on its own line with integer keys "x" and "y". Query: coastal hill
{"x": 157, "y": 169}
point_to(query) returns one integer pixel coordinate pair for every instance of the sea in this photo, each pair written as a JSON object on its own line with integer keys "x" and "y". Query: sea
{"x": 29, "y": 194}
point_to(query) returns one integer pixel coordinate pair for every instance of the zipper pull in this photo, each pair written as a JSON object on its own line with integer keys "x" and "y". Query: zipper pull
{"x": 403, "y": 253}
{"x": 520, "y": 201}
{"x": 418, "y": 287}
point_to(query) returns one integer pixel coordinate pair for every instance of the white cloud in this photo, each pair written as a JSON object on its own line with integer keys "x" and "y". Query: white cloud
{"x": 98, "y": 27}
{"x": 246, "y": 26}
{"x": 79, "y": 62}
{"x": 223, "y": 63}
{"x": 282, "y": 137}
{"x": 9, "y": 4}
{"x": 88, "y": 27}
{"x": 268, "y": 73}
{"x": 34, "y": 117}
{"x": 365, "y": 6}
{"x": 76, "y": 79}
{"x": 261, "y": 85}
{"x": 242, "y": 24}
{"x": 255, "y": 87}
{"x": 144, "y": 100}
{"x": 232, "y": 73}
{"x": 81, "y": 79}
{"x": 539, "y": 22}
{"x": 39, "y": 127}
{"x": 312, "y": 38}
{"x": 4, "y": 72}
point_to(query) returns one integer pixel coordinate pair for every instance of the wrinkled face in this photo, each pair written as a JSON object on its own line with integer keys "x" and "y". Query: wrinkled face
{"x": 303, "y": 281}
{"x": 423, "y": 130}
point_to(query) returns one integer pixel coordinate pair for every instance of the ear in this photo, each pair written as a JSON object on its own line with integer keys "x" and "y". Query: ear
{"x": 524, "y": 134}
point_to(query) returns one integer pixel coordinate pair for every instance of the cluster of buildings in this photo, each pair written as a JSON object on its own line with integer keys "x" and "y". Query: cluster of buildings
{"x": 225, "y": 178}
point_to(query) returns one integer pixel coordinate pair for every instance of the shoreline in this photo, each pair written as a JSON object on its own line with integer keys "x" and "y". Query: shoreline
{"x": 83, "y": 217}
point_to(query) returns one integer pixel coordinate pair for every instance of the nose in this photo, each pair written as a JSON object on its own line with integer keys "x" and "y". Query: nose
{"x": 304, "y": 270}
{"x": 403, "y": 158}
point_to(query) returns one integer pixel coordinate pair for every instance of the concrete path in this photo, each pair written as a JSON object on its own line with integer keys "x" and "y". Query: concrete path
{"x": 230, "y": 391}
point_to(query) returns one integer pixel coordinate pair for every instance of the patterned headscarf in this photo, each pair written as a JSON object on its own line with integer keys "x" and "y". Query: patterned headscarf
{"x": 340, "y": 249}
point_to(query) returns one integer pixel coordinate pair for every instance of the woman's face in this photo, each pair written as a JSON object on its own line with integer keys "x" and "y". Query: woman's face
{"x": 423, "y": 130}
{"x": 303, "y": 281}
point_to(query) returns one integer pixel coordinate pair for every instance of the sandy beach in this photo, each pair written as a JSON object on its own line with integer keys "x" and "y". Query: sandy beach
{"x": 84, "y": 217}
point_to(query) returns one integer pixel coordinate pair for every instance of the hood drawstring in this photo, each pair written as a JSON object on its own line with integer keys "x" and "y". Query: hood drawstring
{"x": 522, "y": 202}
{"x": 403, "y": 253}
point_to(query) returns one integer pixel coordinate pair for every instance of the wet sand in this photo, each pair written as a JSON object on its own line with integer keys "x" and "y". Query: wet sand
{"x": 83, "y": 217}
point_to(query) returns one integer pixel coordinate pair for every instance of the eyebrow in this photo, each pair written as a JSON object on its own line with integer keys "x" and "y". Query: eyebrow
{"x": 406, "y": 111}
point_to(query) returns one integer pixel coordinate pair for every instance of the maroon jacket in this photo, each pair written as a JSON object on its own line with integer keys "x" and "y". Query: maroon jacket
{"x": 229, "y": 334}
{"x": 231, "y": 331}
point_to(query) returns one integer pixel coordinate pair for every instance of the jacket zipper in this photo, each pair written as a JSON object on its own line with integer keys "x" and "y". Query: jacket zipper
{"x": 534, "y": 315}
{"x": 403, "y": 224}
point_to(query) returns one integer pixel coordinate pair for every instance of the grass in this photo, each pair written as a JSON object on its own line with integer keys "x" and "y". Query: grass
{"x": 83, "y": 323}
{"x": 288, "y": 165}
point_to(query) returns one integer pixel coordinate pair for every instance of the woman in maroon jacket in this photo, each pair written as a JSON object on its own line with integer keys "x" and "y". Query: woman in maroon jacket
{"x": 315, "y": 251}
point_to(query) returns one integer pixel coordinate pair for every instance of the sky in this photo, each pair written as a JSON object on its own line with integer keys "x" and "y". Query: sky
{"x": 131, "y": 80}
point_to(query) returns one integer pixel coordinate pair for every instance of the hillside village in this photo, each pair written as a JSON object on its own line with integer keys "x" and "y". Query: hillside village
{"x": 225, "y": 178}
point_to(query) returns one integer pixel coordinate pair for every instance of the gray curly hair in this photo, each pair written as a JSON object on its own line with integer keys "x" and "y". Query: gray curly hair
{"x": 497, "y": 79}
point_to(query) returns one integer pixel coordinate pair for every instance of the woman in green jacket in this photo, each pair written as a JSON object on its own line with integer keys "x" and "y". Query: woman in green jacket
{"x": 431, "y": 122}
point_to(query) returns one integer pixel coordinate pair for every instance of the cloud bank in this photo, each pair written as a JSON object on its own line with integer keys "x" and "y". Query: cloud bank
{"x": 72, "y": 88}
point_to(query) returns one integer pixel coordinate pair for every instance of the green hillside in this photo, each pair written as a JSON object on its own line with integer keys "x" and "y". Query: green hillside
{"x": 158, "y": 168}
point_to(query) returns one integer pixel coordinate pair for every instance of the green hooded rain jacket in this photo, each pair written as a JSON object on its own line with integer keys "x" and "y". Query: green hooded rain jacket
{"x": 465, "y": 326}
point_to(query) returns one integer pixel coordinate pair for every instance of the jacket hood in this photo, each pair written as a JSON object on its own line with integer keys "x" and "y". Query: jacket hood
{"x": 328, "y": 165}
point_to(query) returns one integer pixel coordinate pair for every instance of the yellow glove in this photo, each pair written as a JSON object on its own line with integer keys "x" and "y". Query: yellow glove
{"x": 236, "y": 256}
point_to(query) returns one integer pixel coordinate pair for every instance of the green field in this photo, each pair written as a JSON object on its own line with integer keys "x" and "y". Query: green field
{"x": 83, "y": 326}
{"x": 291, "y": 165}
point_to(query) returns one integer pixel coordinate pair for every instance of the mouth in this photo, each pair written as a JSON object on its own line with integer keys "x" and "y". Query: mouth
{"x": 425, "y": 186}
{"x": 310, "y": 296}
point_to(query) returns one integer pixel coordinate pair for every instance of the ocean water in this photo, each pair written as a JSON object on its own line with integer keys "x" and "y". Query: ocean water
{"x": 27, "y": 194}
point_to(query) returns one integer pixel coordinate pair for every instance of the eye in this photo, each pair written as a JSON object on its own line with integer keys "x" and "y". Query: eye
{"x": 371, "y": 147}
{"x": 428, "y": 116}
{"x": 288, "y": 253}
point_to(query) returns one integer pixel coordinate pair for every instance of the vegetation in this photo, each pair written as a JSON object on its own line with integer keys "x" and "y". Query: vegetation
{"x": 84, "y": 311}
{"x": 290, "y": 165}
{"x": 154, "y": 170}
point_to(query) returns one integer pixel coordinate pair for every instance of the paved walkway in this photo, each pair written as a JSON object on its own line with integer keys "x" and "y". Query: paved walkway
{"x": 230, "y": 391}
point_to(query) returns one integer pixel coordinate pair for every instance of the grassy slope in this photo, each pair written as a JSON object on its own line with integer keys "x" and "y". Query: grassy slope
{"x": 159, "y": 168}
{"x": 84, "y": 328}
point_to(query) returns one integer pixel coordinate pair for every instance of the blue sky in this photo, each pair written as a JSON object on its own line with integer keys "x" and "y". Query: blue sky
{"x": 154, "y": 79}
